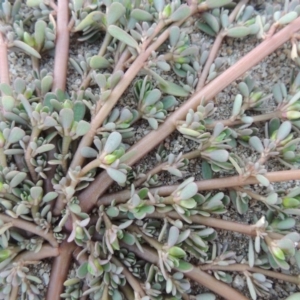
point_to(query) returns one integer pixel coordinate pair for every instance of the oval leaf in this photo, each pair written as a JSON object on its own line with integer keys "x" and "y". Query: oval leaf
{"x": 122, "y": 36}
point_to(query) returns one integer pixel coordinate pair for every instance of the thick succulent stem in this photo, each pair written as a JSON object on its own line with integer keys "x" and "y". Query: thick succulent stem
{"x": 59, "y": 270}
{"x": 31, "y": 227}
{"x": 14, "y": 293}
{"x": 121, "y": 62}
{"x": 140, "y": 149}
{"x": 60, "y": 64}
{"x": 195, "y": 274}
{"x": 4, "y": 69}
{"x": 206, "y": 185}
{"x": 259, "y": 118}
{"x": 45, "y": 252}
{"x": 62, "y": 46}
{"x": 217, "y": 223}
{"x": 243, "y": 267}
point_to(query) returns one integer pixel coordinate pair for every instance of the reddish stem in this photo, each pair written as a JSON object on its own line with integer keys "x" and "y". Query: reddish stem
{"x": 4, "y": 69}
{"x": 244, "y": 267}
{"x": 31, "y": 227}
{"x": 115, "y": 95}
{"x": 62, "y": 46}
{"x": 206, "y": 185}
{"x": 59, "y": 270}
{"x": 195, "y": 274}
{"x": 45, "y": 252}
{"x": 97, "y": 188}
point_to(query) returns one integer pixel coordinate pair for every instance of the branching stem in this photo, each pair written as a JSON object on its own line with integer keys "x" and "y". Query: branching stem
{"x": 195, "y": 274}
{"x": 115, "y": 95}
{"x": 244, "y": 267}
{"x": 140, "y": 149}
{"x": 62, "y": 46}
{"x": 4, "y": 69}
{"x": 45, "y": 252}
{"x": 59, "y": 270}
{"x": 31, "y": 227}
{"x": 206, "y": 185}
{"x": 259, "y": 118}
{"x": 14, "y": 292}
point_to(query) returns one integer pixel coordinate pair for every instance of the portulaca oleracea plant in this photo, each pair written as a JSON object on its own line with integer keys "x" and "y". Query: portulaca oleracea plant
{"x": 62, "y": 148}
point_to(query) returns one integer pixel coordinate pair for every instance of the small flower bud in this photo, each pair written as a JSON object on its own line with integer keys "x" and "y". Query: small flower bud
{"x": 278, "y": 253}
{"x": 79, "y": 233}
{"x": 288, "y": 202}
{"x": 167, "y": 11}
{"x": 256, "y": 96}
{"x": 28, "y": 39}
{"x": 293, "y": 115}
{"x": 109, "y": 159}
{"x": 4, "y": 254}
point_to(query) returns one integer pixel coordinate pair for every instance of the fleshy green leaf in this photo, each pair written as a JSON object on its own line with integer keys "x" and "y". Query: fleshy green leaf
{"x": 115, "y": 12}
{"x": 256, "y": 143}
{"x": 17, "y": 179}
{"x": 173, "y": 236}
{"x": 122, "y": 36}
{"x": 180, "y": 13}
{"x": 177, "y": 252}
{"x": 288, "y": 18}
{"x": 26, "y": 48}
{"x": 44, "y": 148}
{"x": 174, "y": 89}
{"x": 82, "y": 128}
{"x": 66, "y": 117}
{"x": 206, "y": 170}
{"x": 16, "y": 135}
{"x": 99, "y": 62}
{"x": 238, "y": 32}
{"x": 113, "y": 142}
{"x": 216, "y": 3}
{"x": 92, "y": 17}
{"x": 116, "y": 175}
{"x": 184, "y": 266}
{"x": 141, "y": 15}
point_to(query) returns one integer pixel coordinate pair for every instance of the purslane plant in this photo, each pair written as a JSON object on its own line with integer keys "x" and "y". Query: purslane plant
{"x": 61, "y": 149}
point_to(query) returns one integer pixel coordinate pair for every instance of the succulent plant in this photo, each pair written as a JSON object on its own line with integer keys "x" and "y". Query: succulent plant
{"x": 63, "y": 146}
